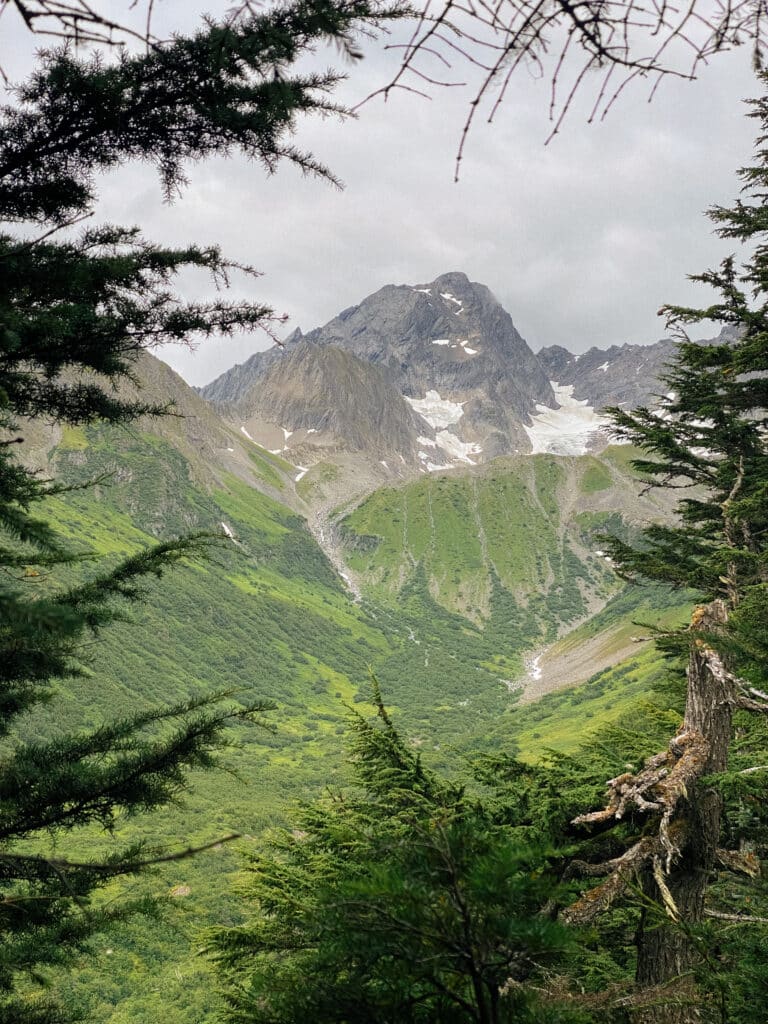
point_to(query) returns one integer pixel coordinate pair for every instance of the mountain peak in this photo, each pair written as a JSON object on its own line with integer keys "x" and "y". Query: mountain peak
{"x": 421, "y": 377}
{"x": 444, "y": 344}
{"x": 455, "y": 280}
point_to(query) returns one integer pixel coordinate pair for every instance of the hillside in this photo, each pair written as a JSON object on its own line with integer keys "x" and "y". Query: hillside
{"x": 445, "y": 622}
{"x": 445, "y": 584}
{"x": 526, "y": 527}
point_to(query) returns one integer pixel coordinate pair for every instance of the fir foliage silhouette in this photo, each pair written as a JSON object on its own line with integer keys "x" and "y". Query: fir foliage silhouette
{"x": 77, "y": 307}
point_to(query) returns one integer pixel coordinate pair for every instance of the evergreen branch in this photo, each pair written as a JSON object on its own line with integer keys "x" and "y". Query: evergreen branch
{"x": 32, "y": 242}
{"x": 736, "y": 918}
{"x": 118, "y": 867}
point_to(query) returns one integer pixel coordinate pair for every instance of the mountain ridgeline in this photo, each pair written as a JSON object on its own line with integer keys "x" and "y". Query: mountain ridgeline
{"x": 423, "y": 377}
{"x": 410, "y": 420}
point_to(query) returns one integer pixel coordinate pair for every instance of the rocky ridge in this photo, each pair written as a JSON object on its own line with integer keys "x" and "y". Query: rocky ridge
{"x": 442, "y": 376}
{"x": 422, "y": 378}
{"x": 623, "y": 375}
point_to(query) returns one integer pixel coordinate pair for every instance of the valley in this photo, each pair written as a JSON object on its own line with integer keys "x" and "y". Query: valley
{"x": 409, "y": 667}
{"x": 474, "y": 586}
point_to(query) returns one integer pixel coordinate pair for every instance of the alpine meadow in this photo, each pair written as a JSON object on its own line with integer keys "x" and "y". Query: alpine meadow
{"x": 395, "y": 669}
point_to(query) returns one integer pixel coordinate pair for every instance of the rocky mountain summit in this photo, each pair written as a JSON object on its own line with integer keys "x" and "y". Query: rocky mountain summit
{"x": 438, "y": 372}
{"x": 425, "y": 377}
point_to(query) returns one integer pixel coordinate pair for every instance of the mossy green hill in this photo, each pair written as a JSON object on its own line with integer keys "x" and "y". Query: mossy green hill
{"x": 526, "y": 526}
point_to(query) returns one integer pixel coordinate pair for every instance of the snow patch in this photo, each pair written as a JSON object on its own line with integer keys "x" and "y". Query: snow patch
{"x": 312, "y": 430}
{"x": 451, "y": 298}
{"x": 244, "y": 431}
{"x": 424, "y": 291}
{"x": 230, "y": 449}
{"x": 227, "y": 530}
{"x": 603, "y": 367}
{"x": 383, "y": 463}
{"x": 286, "y": 433}
{"x": 441, "y": 341}
{"x": 457, "y": 448}
{"x": 302, "y": 474}
{"x": 566, "y": 430}
{"x": 470, "y": 351}
{"x": 438, "y": 412}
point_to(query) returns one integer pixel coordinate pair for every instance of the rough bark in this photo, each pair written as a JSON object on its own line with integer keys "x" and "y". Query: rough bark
{"x": 664, "y": 950}
{"x": 677, "y": 852}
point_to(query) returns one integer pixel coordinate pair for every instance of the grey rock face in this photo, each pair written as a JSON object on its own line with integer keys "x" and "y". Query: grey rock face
{"x": 624, "y": 375}
{"x": 399, "y": 326}
{"x": 431, "y": 375}
{"x": 450, "y": 336}
{"x": 345, "y": 401}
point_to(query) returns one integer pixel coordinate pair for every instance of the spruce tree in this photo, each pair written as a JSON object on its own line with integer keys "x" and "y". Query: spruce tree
{"x": 402, "y": 899}
{"x": 76, "y": 308}
{"x": 708, "y": 439}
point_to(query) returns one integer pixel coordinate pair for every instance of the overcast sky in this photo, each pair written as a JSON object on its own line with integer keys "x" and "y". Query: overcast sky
{"x": 581, "y": 240}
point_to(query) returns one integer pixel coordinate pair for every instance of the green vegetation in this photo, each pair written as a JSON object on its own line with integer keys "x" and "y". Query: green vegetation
{"x": 318, "y": 475}
{"x": 596, "y": 477}
{"x": 266, "y": 617}
{"x": 572, "y": 718}
{"x": 380, "y": 917}
{"x": 693, "y": 803}
{"x": 403, "y": 900}
{"x": 76, "y": 311}
{"x": 414, "y": 897}
{"x": 511, "y": 529}
{"x": 269, "y": 468}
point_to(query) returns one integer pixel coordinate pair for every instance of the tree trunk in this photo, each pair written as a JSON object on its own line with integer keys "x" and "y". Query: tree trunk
{"x": 663, "y": 949}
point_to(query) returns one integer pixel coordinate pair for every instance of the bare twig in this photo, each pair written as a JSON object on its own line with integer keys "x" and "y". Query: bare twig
{"x": 80, "y": 22}
{"x": 577, "y": 44}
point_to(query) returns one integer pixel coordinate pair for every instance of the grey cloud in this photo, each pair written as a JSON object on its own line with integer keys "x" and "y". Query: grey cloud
{"x": 581, "y": 240}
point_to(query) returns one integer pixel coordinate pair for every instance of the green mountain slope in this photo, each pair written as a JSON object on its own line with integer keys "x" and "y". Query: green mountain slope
{"x": 263, "y": 615}
{"x": 461, "y": 576}
{"x": 523, "y": 526}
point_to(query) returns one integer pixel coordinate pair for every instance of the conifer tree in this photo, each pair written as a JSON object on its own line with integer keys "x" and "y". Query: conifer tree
{"x": 709, "y": 440}
{"x": 75, "y": 311}
{"x": 403, "y": 899}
